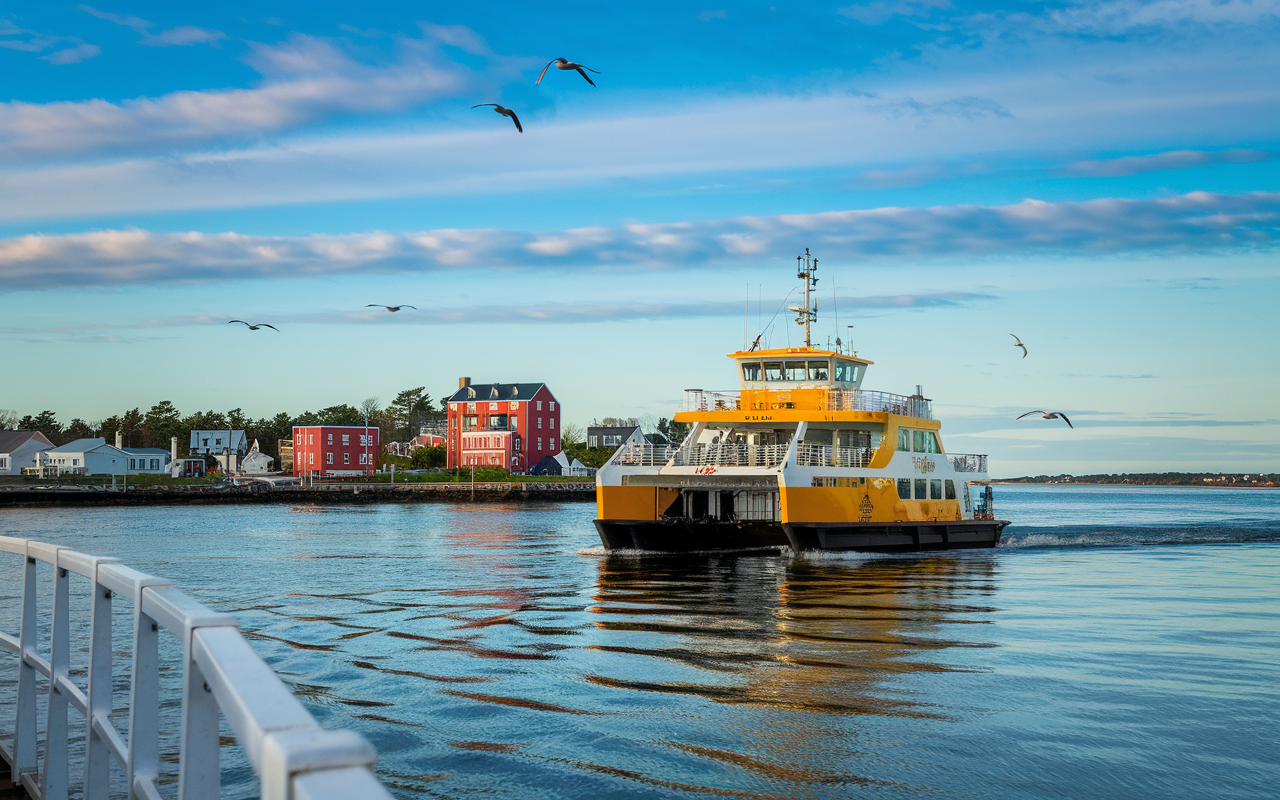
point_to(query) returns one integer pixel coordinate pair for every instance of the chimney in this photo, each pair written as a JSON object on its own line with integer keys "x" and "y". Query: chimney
{"x": 464, "y": 383}
{"x": 119, "y": 439}
{"x": 173, "y": 448}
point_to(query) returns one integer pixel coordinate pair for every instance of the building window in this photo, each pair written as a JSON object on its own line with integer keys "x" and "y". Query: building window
{"x": 539, "y": 423}
{"x": 553, "y": 443}
{"x": 553, "y": 405}
{"x": 311, "y": 438}
{"x": 539, "y": 405}
{"x": 552, "y": 422}
{"x": 346, "y": 438}
{"x": 155, "y": 463}
{"x": 217, "y": 442}
{"x": 493, "y": 406}
{"x": 131, "y": 463}
{"x": 312, "y": 460}
{"x": 346, "y": 458}
{"x": 328, "y": 458}
{"x": 206, "y": 442}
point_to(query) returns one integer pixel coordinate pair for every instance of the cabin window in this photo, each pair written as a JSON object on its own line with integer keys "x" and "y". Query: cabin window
{"x": 904, "y": 440}
{"x": 818, "y": 370}
{"x": 951, "y": 490}
{"x": 935, "y": 490}
{"x": 751, "y": 371}
{"x": 846, "y": 371}
{"x": 921, "y": 488}
{"x": 904, "y": 488}
{"x": 925, "y": 442}
{"x": 793, "y": 371}
{"x": 773, "y": 370}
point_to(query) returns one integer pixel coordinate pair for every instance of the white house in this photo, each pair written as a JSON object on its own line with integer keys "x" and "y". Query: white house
{"x": 18, "y": 449}
{"x": 84, "y": 457}
{"x": 212, "y": 443}
{"x": 256, "y": 462}
{"x": 575, "y": 467}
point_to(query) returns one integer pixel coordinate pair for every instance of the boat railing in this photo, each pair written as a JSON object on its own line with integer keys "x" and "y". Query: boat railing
{"x": 825, "y": 455}
{"x": 291, "y": 755}
{"x": 964, "y": 462}
{"x": 884, "y": 402}
{"x": 643, "y": 455}
{"x": 731, "y": 454}
{"x": 706, "y": 400}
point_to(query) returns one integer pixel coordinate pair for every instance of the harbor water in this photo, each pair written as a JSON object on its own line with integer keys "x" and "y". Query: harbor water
{"x": 1122, "y": 642}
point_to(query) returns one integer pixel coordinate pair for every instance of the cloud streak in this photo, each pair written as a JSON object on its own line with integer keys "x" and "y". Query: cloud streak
{"x": 1196, "y": 222}
{"x": 1173, "y": 159}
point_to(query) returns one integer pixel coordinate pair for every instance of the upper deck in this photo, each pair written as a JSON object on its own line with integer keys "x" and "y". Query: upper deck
{"x": 795, "y": 380}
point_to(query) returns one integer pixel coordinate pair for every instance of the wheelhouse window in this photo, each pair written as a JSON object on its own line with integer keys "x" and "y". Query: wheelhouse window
{"x": 925, "y": 442}
{"x": 751, "y": 371}
{"x": 793, "y": 370}
{"x": 818, "y": 370}
{"x": 846, "y": 371}
{"x": 773, "y": 370}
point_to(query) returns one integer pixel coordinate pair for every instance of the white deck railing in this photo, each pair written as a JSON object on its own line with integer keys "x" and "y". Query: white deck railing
{"x": 963, "y": 462}
{"x": 292, "y": 756}
{"x": 731, "y": 454}
{"x": 643, "y": 455}
{"x": 825, "y": 455}
{"x": 827, "y": 400}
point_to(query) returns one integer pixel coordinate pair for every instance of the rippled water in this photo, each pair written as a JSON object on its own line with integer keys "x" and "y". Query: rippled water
{"x": 1122, "y": 643}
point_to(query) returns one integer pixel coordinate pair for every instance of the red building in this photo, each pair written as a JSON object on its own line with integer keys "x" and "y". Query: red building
{"x": 334, "y": 450}
{"x": 512, "y": 425}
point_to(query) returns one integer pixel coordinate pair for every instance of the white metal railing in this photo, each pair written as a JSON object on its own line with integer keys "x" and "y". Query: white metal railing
{"x": 731, "y": 454}
{"x": 825, "y": 455}
{"x": 292, "y": 756}
{"x": 704, "y": 400}
{"x": 828, "y": 400}
{"x": 643, "y": 455}
{"x": 964, "y": 462}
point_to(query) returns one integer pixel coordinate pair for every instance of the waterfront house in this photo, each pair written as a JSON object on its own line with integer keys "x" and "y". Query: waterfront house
{"x": 147, "y": 460}
{"x": 512, "y": 425}
{"x": 83, "y": 457}
{"x": 18, "y": 449}
{"x": 212, "y": 443}
{"x": 614, "y": 437}
{"x": 335, "y": 450}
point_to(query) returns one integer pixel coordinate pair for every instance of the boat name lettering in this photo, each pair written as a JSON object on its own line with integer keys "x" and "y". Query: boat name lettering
{"x": 924, "y": 465}
{"x": 707, "y": 470}
{"x": 759, "y": 418}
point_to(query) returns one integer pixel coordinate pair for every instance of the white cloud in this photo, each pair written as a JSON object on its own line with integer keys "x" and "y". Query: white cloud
{"x": 1123, "y": 16}
{"x": 304, "y": 79}
{"x": 73, "y": 55}
{"x": 1173, "y": 159}
{"x": 181, "y": 35}
{"x": 1194, "y": 222}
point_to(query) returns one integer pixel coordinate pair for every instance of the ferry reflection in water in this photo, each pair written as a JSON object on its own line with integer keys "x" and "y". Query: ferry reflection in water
{"x": 786, "y": 636}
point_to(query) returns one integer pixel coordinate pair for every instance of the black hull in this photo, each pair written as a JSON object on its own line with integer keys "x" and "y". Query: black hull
{"x": 684, "y": 536}
{"x": 894, "y": 537}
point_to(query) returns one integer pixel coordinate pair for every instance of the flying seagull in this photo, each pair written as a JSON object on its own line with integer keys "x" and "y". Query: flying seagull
{"x": 506, "y": 112}
{"x": 565, "y": 64}
{"x": 1018, "y": 343}
{"x": 392, "y": 309}
{"x": 255, "y": 327}
{"x": 1048, "y": 415}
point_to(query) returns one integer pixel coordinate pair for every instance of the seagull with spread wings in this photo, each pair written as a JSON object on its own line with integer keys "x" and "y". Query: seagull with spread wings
{"x": 255, "y": 327}
{"x": 506, "y": 112}
{"x": 1018, "y": 343}
{"x": 562, "y": 63}
{"x": 392, "y": 309}
{"x": 1049, "y": 415}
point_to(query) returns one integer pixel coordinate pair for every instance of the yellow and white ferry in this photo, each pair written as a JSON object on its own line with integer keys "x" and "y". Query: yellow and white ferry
{"x": 800, "y": 456}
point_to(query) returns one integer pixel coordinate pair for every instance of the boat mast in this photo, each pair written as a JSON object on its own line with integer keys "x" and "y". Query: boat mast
{"x": 806, "y": 266}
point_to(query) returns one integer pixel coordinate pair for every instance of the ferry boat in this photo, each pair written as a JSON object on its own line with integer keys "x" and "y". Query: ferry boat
{"x": 800, "y": 456}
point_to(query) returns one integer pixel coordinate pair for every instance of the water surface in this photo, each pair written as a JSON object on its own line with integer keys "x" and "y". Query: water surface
{"x": 1122, "y": 643}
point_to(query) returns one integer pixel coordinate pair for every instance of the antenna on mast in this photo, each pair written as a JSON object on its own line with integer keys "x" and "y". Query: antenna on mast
{"x": 806, "y": 266}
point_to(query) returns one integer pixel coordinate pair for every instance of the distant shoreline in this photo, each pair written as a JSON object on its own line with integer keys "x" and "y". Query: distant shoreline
{"x": 1144, "y": 485}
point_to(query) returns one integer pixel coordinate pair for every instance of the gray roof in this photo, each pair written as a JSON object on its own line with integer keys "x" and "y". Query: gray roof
{"x": 146, "y": 451}
{"x": 600, "y": 430}
{"x": 505, "y": 391}
{"x": 12, "y": 440}
{"x": 79, "y": 446}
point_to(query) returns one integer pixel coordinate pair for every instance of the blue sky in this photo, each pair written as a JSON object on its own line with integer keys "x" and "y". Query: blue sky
{"x": 1100, "y": 178}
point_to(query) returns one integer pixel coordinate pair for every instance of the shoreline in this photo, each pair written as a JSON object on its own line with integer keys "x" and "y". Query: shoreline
{"x": 334, "y": 494}
{"x": 1143, "y": 485}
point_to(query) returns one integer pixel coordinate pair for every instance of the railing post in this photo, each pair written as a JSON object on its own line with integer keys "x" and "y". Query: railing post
{"x": 144, "y": 701}
{"x": 24, "y": 737}
{"x": 199, "y": 774}
{"x": 53, "y": 779}
{"x": 97, "y": 760}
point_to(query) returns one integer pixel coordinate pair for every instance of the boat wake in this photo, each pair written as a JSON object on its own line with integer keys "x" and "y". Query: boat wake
{"x": 1243, "y": 532}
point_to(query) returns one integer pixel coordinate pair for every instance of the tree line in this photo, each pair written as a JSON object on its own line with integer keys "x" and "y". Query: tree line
{"x": 398, "y": 421}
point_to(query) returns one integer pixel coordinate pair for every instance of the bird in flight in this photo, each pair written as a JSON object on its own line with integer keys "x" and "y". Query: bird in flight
{"x": 255, "y": 327}
{"x": 1018, "y": 343}
{"x": 565, "y": 64}
{"x": 506, "y": 112}
{"x": 1050, "y": 415}
{"x": 392, "y": 309}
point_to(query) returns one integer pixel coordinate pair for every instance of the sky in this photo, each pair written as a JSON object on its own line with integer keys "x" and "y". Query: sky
{"x": 1101, "y": 179}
